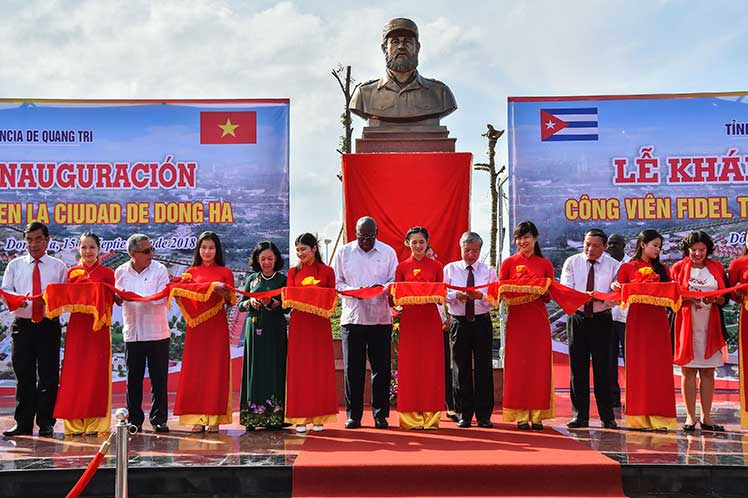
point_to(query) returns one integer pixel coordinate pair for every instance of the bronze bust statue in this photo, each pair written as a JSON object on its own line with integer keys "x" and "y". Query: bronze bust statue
{"x": 402, "y": 96}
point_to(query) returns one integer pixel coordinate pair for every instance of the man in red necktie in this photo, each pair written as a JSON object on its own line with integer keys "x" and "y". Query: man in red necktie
{"x": 589, "y": 329}
{"x": 36, "y": 339}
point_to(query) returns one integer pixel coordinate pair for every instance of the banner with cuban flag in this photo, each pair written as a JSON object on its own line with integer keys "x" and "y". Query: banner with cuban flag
{"x": 624, "y": 163}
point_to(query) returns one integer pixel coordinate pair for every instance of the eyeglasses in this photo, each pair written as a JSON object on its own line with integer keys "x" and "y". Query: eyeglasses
{"x": 365, "y": 237}
{"x": 146, "y": 251}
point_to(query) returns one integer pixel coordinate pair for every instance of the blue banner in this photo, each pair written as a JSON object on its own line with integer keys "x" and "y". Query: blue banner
{"x": 671, "y": 162}
{"x": 169, "y": 169}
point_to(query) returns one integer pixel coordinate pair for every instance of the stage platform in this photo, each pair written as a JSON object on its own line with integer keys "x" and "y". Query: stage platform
{"x": 233, "y": 463}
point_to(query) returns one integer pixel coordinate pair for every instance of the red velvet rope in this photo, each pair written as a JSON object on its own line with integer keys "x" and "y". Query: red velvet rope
{"x": 93, "y": 466}
{"x": 86, "y": 477}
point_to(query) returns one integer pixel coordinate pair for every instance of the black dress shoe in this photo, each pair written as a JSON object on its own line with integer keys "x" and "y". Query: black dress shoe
{"x": 576, "y": 423}
{"x": 381, "y": 423}
{"x": 464, "y": 423}
{"x": 523, "y": 426}
{"x": 352, "y": 424}
{"x": 17, "y": 431}
{"x": 453, "y": 417}
{"x": 537, "y": 426}
{"x": 610, "y": 424}
{"x": 161, "y": 428}
{"x": 46, "y": 430}
{"x": 712, "y": 427}
{"x": 486, "y": 424}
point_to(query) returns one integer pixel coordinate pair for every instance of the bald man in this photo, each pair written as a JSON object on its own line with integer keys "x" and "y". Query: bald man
{"x": 366, "y": 324}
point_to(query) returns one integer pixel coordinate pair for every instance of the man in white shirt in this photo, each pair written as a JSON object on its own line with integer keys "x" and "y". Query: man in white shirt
{"x": 590, "y": 328}
{"x": 471, "y": 334}
{"x": 616, "y": 247}
{"x": 366, "y": 324}
{"x": 36, "y": 339}
{"x": 146, "y": 332}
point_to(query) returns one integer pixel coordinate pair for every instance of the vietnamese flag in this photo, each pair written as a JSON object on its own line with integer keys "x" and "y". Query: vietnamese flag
{"x": 231, "y": 127}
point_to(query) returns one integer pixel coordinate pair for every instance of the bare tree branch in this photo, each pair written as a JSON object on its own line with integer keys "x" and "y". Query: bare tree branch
{"x": 493, "y": 135}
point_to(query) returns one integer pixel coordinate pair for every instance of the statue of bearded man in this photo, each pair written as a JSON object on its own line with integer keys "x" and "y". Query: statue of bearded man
{"x": 402, "y": 95}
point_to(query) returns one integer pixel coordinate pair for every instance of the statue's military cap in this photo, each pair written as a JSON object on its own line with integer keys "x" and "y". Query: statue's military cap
{"x": 399, "y": 24}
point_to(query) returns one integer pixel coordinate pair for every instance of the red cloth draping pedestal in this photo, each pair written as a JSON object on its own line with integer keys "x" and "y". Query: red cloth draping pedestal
{"x": 403, "y": 190}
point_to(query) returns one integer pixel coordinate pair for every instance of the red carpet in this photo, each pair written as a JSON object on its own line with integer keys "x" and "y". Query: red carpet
{"x": 449, "y": 462}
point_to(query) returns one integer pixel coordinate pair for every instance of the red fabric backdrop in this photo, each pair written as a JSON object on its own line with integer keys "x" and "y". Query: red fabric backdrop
{"x": 431, "y": 189}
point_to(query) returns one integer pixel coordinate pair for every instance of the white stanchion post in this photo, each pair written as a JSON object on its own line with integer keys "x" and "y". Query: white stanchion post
{"x": 122, "y": 435}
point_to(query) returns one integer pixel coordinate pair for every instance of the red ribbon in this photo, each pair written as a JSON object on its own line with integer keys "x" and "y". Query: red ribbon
{"x": 14, "y": 301}
{"x": 616, "y": 295}
{"x": 569, "y": 299}
{"x": 365, "y": 292}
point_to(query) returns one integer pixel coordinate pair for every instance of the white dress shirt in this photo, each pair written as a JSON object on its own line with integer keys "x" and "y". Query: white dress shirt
{"x": 143, "y": 321}
{"x": 19, "y": 275}
{"x": 574, "y": 275}
{"x": 354, "y": 269}
{"x": 619, "y": 315}
{"x": 456, "y": 273}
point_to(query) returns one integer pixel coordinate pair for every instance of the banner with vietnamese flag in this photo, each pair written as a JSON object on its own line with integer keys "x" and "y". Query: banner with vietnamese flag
{"x": 169, "y": 169}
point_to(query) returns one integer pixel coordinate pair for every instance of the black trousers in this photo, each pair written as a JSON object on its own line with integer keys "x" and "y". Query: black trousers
{"x": 357, "y": 341}
{"x": 450, "y": 400}
{"x": 617, "y": 343}
{"x": 471, "y": 346}
{"x": 590, "y": 337}
{"x": 156, "y": 355}
{"x": 36, "y": 364}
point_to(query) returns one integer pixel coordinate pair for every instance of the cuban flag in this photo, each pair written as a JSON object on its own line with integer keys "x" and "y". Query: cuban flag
{"x": 561, "y": 125}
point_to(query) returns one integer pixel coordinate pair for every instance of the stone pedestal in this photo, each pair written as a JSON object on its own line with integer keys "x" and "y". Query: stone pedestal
{"x": 394, "y": 138}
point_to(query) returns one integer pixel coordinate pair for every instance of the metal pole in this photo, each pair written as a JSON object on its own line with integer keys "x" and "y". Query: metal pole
{"x": 500, "y": 245}
{"x": 499, "y": 259}
{"x": 123, "y": 433}
{"x": 327, "y": 250}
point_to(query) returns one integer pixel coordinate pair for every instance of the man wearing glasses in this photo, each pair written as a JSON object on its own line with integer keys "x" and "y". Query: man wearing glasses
{"x": 365, "y": 324}
{"x": 146, "y": 332}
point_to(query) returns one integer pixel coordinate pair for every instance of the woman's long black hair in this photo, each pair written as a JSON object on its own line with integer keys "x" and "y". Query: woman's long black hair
{"x": 528, "y": 227}
{"x": 197, "y": 260}
{"x": 310, "y": 240}
{"x": 645, "y": 237}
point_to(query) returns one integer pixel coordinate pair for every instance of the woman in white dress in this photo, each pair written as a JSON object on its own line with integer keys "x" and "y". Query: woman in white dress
{"x": 699, "y": 338}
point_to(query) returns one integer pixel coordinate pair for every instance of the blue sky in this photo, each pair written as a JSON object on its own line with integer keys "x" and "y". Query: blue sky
{"x": 485, "y": 51}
